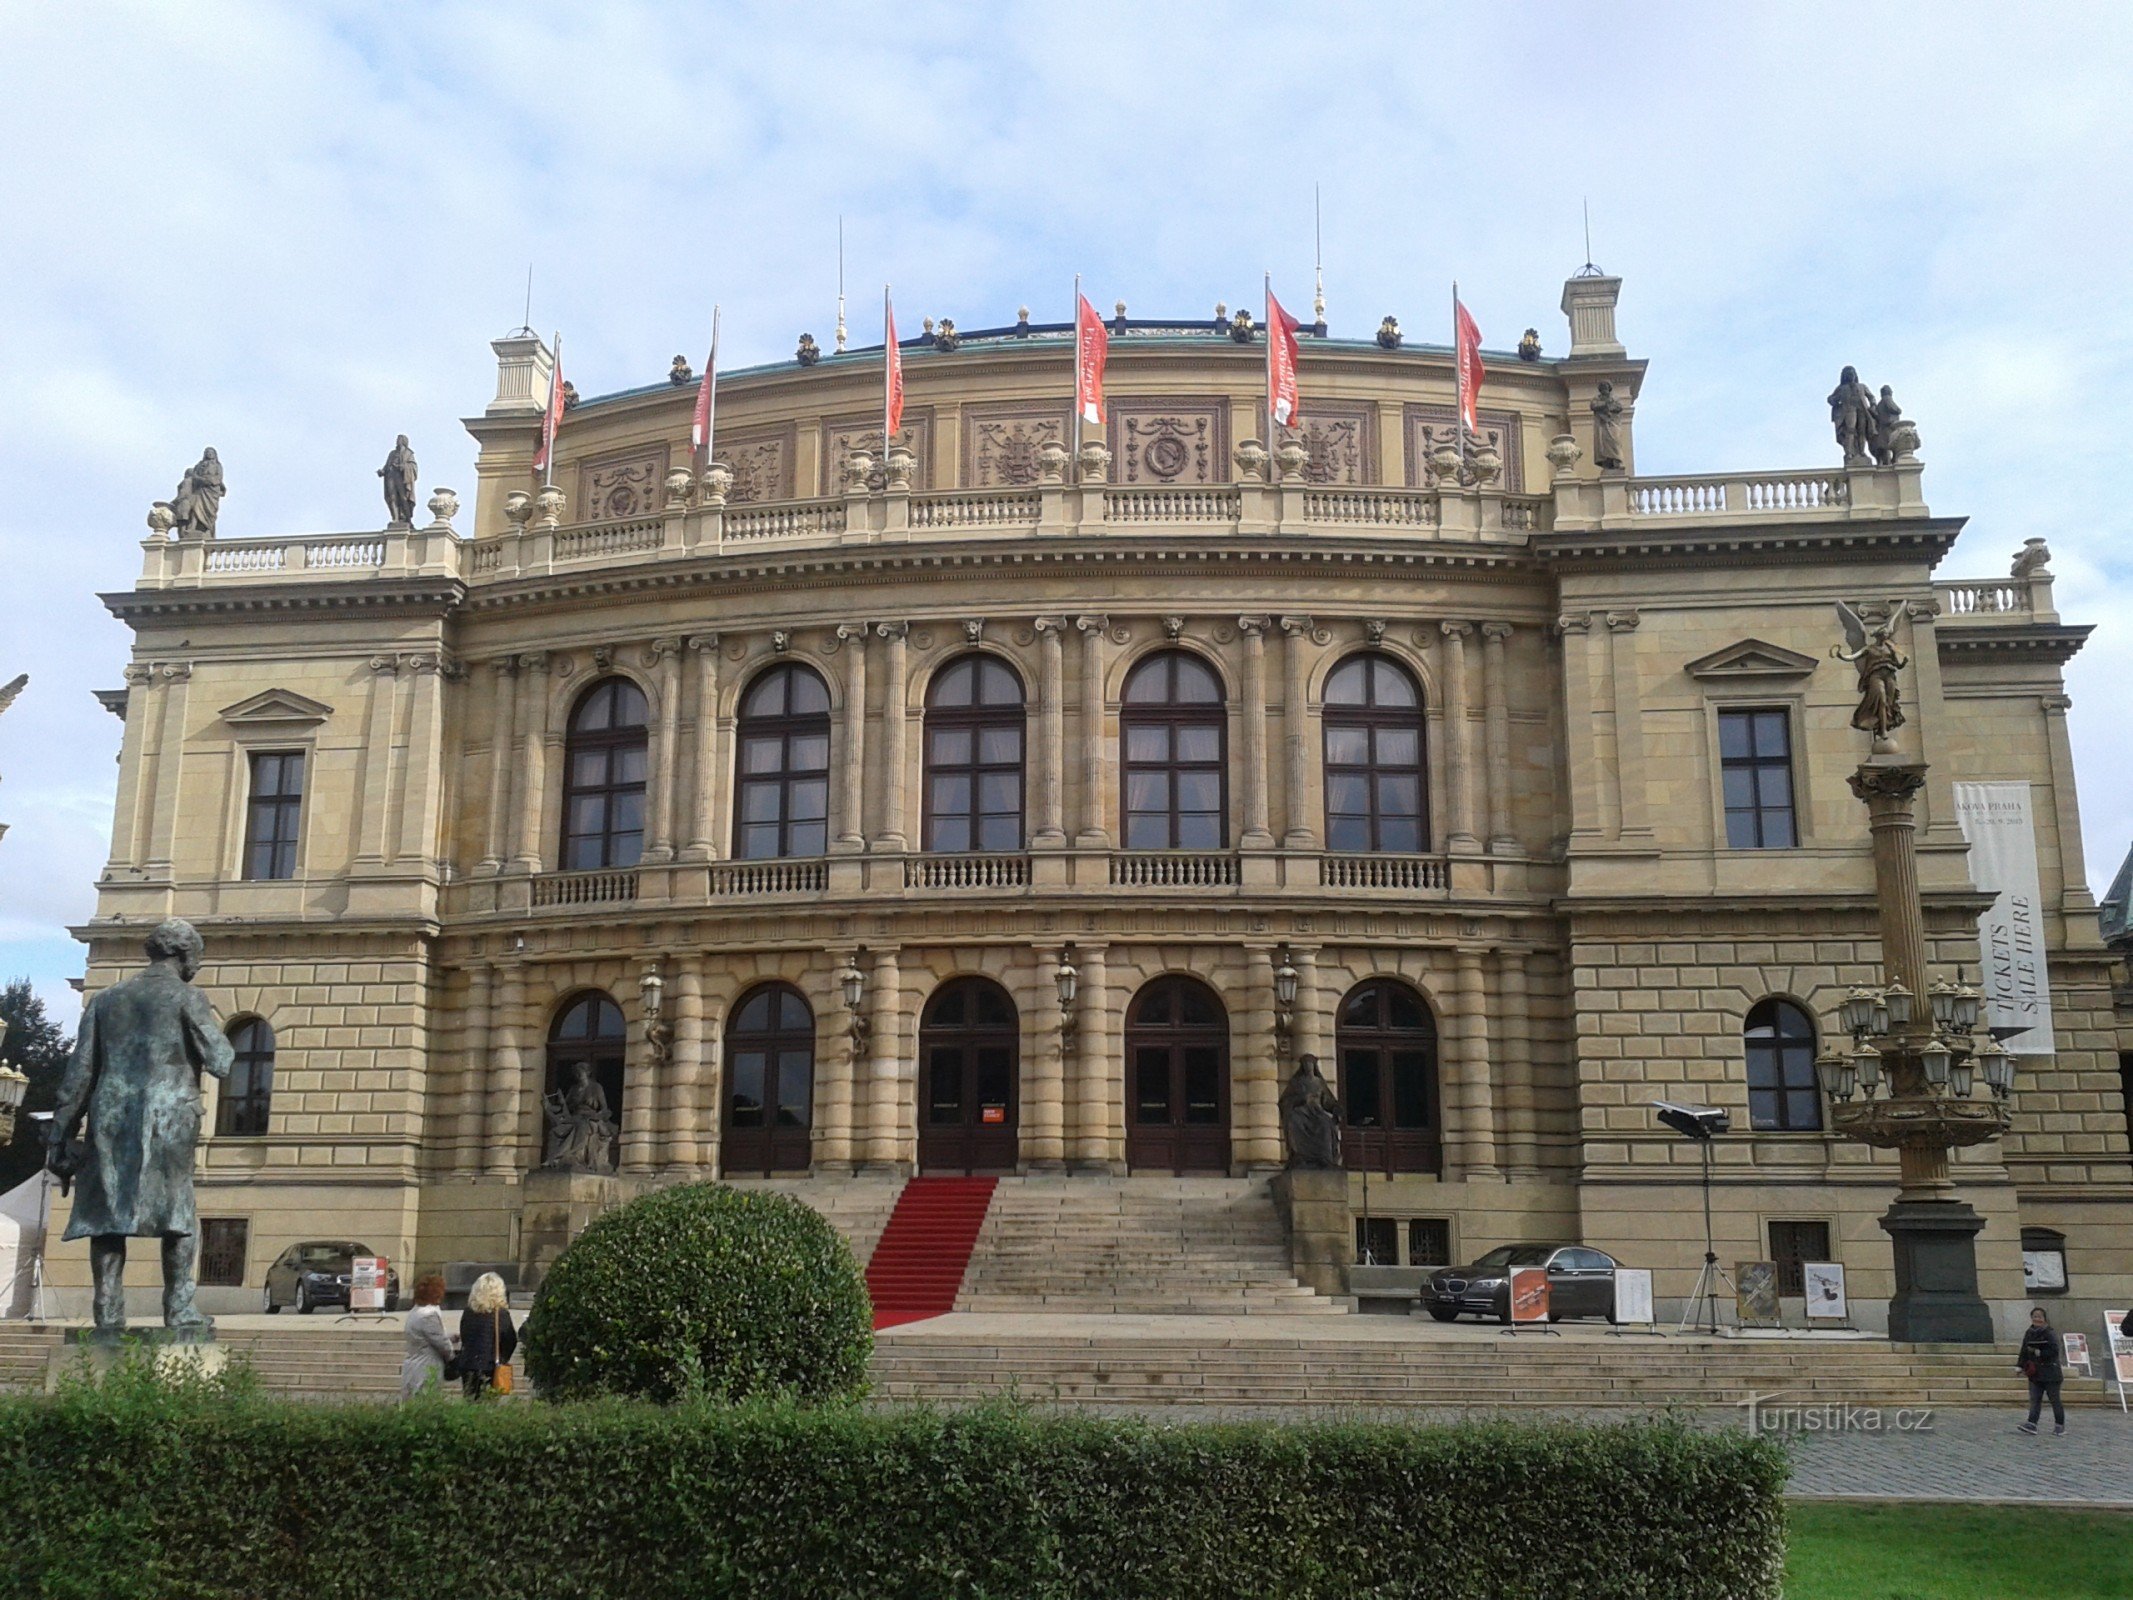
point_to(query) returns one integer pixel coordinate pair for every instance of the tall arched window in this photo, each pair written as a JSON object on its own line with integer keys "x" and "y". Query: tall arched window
{"x": 770, "y": 1082}
{"x": 1173, "y": 729}
{"x": 1177, "y": 1078}
{"x": 974, "y": 757}
{"x": 783, "y": 801}
{"x": 1782, "y": 1094}
{"x": 1373, "y": 713}
{"x": 603, "y": 797}
{"x": 1387, "y": 1043}
{"x": 589, "y": 1032}
{"x": 247, "y": 1094}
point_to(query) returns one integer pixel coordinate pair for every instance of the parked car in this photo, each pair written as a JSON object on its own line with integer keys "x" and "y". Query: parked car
{"x": 316, "y": 1273}
{"x": 1581, "y": 1283}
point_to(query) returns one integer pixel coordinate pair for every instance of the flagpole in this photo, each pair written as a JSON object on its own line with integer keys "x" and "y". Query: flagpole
{"x": 711, "y": 373}
{"x": 1458, "y": 382}
{"x": 1267, "y": 309}
{"x": 1075, "y": 317}
{"x": 888, "y": 360}
{"x": 840, "y": 286}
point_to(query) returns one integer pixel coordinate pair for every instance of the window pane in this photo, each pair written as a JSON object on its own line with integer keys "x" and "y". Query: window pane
{"x": 1777, "y": 830}
{"x": 1360, "y": 1090}
{"x": 1732, "y": 734}
{"x": 996, "y": 685}
{"x": 1740, "y": 830}
{"x": 629, "y": 764}
{"x": 1771, "y": 736}
{"x": 1348, "y": 833}
{"x": 953, "y": 686}
{"x": 627, "y": 814}
{"x": 1000, "y": 745}
{"x": 810, "y": 752}
{"x": 767, "y": 698}
{"x": 1802, "y": 1109}
{"x": 1151, "y": 1084}
{"x": 1199, "y": 791}
{"x": 951, "y": 746}
{"x": 996, "y": 1078}
{"x": 1404, "y": 1008}
{"x": 1148, "y": 832}
{"x": 1393, "y": 686}
{"x": 628, "y": 704}
{"x": 1203, "y": 1084}
{"x": 1763, "y": 1108}
{"x": 796, "y": 1081}
{"x": 747, "y": 1092}
{"x": 951, "y": 795}
{"x": 1147, "y": 744}
{"x": 1196, "y": 684}
{"x": 1347, "y": 793}
{"x": 793, "y": 1013}
{"x": 588, "y": 767}
{"x": 1410, "y": 1089}
{"x": 809, "y": 838}
{"x": 810, "y": 696}
{"x": 760, "y": 801}
{"x": 1739, "y": 787}
{"x": 810, "y": 800}
{"x": 1000, "y": 833}
{"x": 1402, "y": 834}
{"x": 759, "y": 841}
{"x": 1149, "y": 684}
{"x": 950, "y": 832}
{"x": 944, "y": 1086}
{"x": 1200, "y": 743}
{"x": 1347, "y": 747}
{"x": 1147, "y": 791}
{"x": 582, "y": 854}
{"x": 1348, "y": 683}
{"x": 762, "y": 755}
{"x": 1000, "y": 792}
{"x": 1399, "y": 747}
{"x": 1199, "y": 831}
{"x": 1399, "y": 794}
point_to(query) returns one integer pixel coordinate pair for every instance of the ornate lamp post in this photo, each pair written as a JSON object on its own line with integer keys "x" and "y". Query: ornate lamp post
{"x": 1285, "y": 1001}
{"x": 853, "y": 983}
{"x": 14, "y": 1086}
{"x": 1907, "y": 1084}
{"x": 1068, "y": 979}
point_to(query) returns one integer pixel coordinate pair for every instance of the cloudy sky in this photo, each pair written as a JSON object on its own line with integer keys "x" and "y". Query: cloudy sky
{"x": 291, "y": 230}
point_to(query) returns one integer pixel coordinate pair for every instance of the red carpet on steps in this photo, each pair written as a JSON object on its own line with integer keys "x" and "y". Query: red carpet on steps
{"x": 918, "y": 1265}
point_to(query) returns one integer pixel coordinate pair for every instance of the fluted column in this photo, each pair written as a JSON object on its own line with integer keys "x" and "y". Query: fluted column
{"x": 1257, "y": 835}
{"x": 840, "y": 1092}
{"x": 893, "y": 688}
{"x": 1580, "y": 736}
{"x": 703, "y": 779}
{"x": 1629, "y": 722}
{"x": 374, "y": 784}
{"x": 1496, "y": 724}
{"x": 168, "y": 787}
{"x": 852, "y": 744}
{"x": 1258, "y": 1074}
{"x": 1300, "y": 834}
{"x": 685, "y": 1073}
{"x": 644, "y": 1095}
{"x": 528, "y": 850}
{"x": 1521, "y": 1094}
{"x": 502, "y": 711}
{"x": 1095, "y": 831}
{"x": 665, "y": 656}
{"x": 1051, "y": 734}
{"x": 1458, "y": 744}
{"x": 1044, "y": 1107}
{"x": 1310, "y": 1015}
{"x": 507, "y": 1073}
{"x": 137, "y": 766}
{"x": 1096, "y": 1087}
{"x": 475, "y": 1063}
{"x": 419, "y": 816}
{"x": 886, "y": 1114}
{"x": 1473, "y": 1072}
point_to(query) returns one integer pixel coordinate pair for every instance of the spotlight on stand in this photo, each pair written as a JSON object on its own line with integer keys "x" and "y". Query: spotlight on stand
{"x": 1701, "y": 1124}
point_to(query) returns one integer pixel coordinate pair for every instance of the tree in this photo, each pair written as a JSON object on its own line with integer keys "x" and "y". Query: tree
{"x": 39, "y": 1047}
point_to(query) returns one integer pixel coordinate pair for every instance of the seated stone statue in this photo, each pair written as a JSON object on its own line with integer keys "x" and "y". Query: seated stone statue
{"x": 1310, "y": 1117}
{"x": 581, "y": 1130}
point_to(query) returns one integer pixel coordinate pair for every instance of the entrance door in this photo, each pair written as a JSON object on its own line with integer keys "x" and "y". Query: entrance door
{"x": 1177, "y": 1079}
{"x": 770, "y": 1083}
{"x": 968, "y": 1052}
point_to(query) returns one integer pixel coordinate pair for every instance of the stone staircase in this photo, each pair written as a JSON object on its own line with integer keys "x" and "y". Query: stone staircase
{"x": 1140, "y": 1245}
{"x": 858, "y": 1208}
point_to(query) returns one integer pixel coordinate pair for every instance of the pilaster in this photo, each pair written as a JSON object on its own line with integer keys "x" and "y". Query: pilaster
{"x": 1257, "y": 835}
{"x": 894, "y": 719}
{"x": 664, "y": 657}
{"x": 851, "y": 775}
{"x": 1050, "y": 832}
{"x": 703, "y": 778}
{"x": 1095, "y": 830}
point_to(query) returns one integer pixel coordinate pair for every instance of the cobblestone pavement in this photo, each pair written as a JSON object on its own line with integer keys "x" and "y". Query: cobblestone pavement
{"x": 1973, "y": 1455}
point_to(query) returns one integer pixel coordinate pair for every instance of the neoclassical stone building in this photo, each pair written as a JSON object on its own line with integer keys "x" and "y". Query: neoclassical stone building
{"x": 972, "y": 809}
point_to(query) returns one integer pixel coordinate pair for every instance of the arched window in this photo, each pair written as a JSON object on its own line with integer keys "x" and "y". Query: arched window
{"x": 1387, "y": 1044}
{"x": 1780, "y": 1038}
{"x": 1373, "y": 714}
{"x": 1173, "y": 729}
{"x": 968, "y": 1043}
{"x": 974, "y": 757}
{"x": 783, "y": 802}
{"x": 770, "y": 1082}
{"x": 241, "y": 1109}
{"x": 1177, "y": 1078}
{"x": 603, "y": 800}
{"x": 589, "y": 1032}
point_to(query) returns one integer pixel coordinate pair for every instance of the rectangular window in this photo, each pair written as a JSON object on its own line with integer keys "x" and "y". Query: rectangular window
{"x": 1755, "y": 762}
{"x": 1429, "y": 1242}
{"x": 1377, "y": 1242}
{"x": 222, "y": 1246}
{"x": 271, "y": 819}
{"x": 1792, "y": 1243}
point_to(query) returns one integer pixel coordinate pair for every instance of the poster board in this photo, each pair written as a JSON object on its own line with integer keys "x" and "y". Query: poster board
{"x": 1823, "y": 1282}
{"x": 366, "y": 1284}
{"x": 1529, "y": 1294}
{"x": 1995, "y": 818}
{"x": 2074, "y": 1356}
{"x": 2118, "y": 1335}
{"x": 1633, "y": 1297}
{"x": 1755, "y": 1294}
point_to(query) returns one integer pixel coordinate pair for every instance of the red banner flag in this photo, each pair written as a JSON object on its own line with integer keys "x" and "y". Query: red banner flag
{"x": 892, "y": 401}
{"x": 544, "y": 454}
{"x": 1467, "y": 341}
{"x": 1092, "y": 345}
{"x": 706, "y": 395}
{"x": 1283, "y": 402}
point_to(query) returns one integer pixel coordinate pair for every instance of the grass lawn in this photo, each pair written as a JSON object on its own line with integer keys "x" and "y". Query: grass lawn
{"x": 1948, "y": 1552}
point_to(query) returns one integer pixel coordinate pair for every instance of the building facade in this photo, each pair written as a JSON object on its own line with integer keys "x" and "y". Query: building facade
{"x": 970, "y": 806}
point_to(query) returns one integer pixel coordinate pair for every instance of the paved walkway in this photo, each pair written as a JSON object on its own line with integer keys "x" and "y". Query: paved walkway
{"x": 1973, "y": 1455}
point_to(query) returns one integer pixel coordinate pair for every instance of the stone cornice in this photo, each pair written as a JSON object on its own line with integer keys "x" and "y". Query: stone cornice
{"x": 2051, "y": 643}
{"x": 432, "y": 597}
{"x": 1683, "y": 543}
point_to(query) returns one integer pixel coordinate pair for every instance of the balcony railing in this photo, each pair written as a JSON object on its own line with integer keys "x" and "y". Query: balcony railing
{"x": 986, "y": 871}
{"x": 1383, "y": 872}
{"x": 768, "y": 877}
{"x": 1724, "y": 495}
{"x": 1990, "y": 597}
{"x": 585, "y": 888}
{"x": 1172, "y": 869}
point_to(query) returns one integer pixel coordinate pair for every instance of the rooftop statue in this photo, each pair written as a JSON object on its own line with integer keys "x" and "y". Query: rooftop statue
{"x": 399, "y": 475}
{"x": 1607, "y": 429}
{"x": 1310, "y": 1117}
{"x": 132, "y": 1089}
{"x": 1873, "y": 652}
{"x": 1851, "y": 413}
{"x": 1881, "y": 438}
{"x": 198, "y": 501}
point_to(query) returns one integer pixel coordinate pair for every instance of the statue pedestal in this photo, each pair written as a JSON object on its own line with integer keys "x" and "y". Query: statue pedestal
{"x": 1313, "y": 1202}
{"x": 177, "y": 1355}
{"x": 555, "y": 1207}
{"x": 1936, "y": 1299}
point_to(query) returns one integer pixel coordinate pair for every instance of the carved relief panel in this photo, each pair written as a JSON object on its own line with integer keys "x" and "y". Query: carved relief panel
{"x": 1181, "y": 441}
{"x": 627, "y": 483}
{"x": 1340, "y": 444}
{"x": 1000, "y": 442}
{"x": 1426, "y": 426}
{"x": 762, "y": 463}
{"x": 842, "y": 435}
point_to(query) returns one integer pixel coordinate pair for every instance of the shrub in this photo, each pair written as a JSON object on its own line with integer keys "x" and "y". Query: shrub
{"x": 115, "y": 1497}
{"x": 703, "y": 1291}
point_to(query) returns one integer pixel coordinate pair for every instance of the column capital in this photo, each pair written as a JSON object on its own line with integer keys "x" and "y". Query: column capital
{"x": 174, "y": 671}
{"x": 2056, "y": 704}
{"x": 661, "y": 649}
{"x": 1306, "y": 628}
{"x": 1496, "y": 631}
{"x": 1049, "y": 625}
{"x": 1093, "y": 622}
{"x": 533, "y": 661}
{"x": 892, "y": 630}
{"x": 1455, "y": 630}
{"x": 850, "y": 630}
{"x": 505, "y": 666}
{"x": 1571, "y": 622}
{"x": 1622, "y": 621}
{"x": 384, "y": 666}
{"x": 704, "y": 644}
{"x": 1254, "y": 627}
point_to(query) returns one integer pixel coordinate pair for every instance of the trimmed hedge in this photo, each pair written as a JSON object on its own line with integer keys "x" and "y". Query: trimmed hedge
{"x": 702, "y": 1291}
{"x": 108, "y": 1495}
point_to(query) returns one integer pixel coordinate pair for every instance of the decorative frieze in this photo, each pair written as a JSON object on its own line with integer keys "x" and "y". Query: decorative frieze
{"x": 613, "y": 488}
{"x": 761, "y": 461}
{"x": 1339, "y": 442}
{"x": 1180, "y": 441}
{"x": 842, "y": 436}
{"x": 1003, "y": 445}
{"x": 1429, "y": 428}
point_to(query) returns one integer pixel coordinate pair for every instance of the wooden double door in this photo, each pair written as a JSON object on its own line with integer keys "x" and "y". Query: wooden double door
{"x": 969, "y": 1061}
{"x": 1177, "y": 1079}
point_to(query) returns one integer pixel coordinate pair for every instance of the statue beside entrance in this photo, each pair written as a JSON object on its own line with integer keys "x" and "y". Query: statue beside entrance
{"x": 1310, "y": 1118}
{"x": 581, "y": 1128}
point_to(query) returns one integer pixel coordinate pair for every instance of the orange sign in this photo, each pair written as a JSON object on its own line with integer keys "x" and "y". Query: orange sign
{"x": 993, "y": 1114}
{"x": 1529, "y": 1294}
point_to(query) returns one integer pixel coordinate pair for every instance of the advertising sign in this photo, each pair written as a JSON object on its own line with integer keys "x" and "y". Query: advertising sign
{"x": 2076, "y": 1359}
{"x": 1995, "y": 818}
{"x": 1529, "y": 1294}
{"x": 2120, "y": 1335}
{"x": 1755, "y": 1293}
{"x": 366, "y": 1284}
{"x": 1633, "y": 1295}
{"x": 1824, "y": 1283}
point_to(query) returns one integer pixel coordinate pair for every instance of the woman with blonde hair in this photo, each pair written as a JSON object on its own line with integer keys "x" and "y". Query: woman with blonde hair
{"x": 429, "y": 1347}
{"x": 487, "y": 1338}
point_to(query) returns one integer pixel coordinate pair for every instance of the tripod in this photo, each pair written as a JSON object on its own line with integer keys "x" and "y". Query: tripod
{"x": 1712, "y": 1275}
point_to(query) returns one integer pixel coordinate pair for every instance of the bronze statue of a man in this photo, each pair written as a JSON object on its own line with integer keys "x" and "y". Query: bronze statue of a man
{"x": 1310, "y": 1117}
{"x": 399, "y": 475}
{"x": 134, "y": 1080}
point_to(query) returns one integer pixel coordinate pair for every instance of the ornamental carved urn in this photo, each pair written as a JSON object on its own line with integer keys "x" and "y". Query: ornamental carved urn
{"x": 1291, "y": 456}
{"x": 1095, "y": 463}
{"x": 677, "y": 489}
{"x": 444, "y": 506}
{"x": 1564, "y": 452}
{"x": 902, "y": 468}
{"x": 549, "y": 506}
{"x": 1444, "y": 461}
{"x": 1251, "y": 458}
{"x": 518, "y": 508}
{"x": 858, "y": 467}
{"x": 716, "y": 484}
{"x": 1487, "y": 464}
{"x": 1052, "y": 459}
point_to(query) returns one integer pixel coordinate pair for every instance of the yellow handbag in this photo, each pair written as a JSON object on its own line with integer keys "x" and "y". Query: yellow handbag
{"x": 500, "y": 1378}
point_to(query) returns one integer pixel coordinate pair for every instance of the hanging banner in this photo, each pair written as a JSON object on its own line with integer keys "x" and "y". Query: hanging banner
{"x": 1995, "y": 818}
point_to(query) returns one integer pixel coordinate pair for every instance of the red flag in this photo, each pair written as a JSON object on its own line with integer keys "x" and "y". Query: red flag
{"x": 1467, "y": 341}
{"x": 892, "y": 406}
{"x": 553, "y": 419}
{"x": 1282, "y": 399}
{"x": 706, "y": 394}
{"x": 1092, "y": 344}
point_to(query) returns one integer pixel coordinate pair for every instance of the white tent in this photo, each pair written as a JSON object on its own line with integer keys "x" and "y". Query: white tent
{"x": 23, "y": 1210}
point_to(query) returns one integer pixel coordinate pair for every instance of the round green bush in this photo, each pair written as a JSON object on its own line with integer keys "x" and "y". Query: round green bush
{"x": 703, "y": 1291}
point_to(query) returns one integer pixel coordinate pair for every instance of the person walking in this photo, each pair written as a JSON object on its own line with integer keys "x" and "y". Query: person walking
{"x": 2039, "y": 1361}
{"x": 429, "y": 1347}
{"x": 487, "y": 1338}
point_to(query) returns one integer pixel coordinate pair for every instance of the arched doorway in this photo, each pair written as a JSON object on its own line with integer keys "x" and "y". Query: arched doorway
{"x": 770, "y": 1083}
{"x": 968, "y": 1050}
{"x": 1177, "y": 1079}
{"x": 1387, "y": 1044}
{"x": 589, "y": 1032}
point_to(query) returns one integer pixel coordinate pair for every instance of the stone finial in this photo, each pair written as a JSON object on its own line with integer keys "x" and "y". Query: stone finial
{"x": 2032, "y": 560}
{"x": 518, "y": 508}
{"x": 1529, "y": 347}
{"x": 1095, "y": 462}
{"x": 809, "y": 352}
{"x": 1290, "y": 455}
{"x": 1589, "y": 303}
{"x": 1486, "y": 462}
{"x": 1118, "y": 324}
{"x": 716, "y": 485}
{"x": 1389, "y": 334}
{"x": 1052, "y": 459}
{"x": 444, "y": 506}
{"x": 678, "y": 484}
{"x": 550, "y": 504}
{"x": 856, "y": 468}
{"x": 900, "y": 467}
{"x": 161, "y": 519}
{"x": 1022, "y": 319}
{"x": 681, "y": 372}
{"x": 1251, "y": 458}
{"x": 1564, "y": 452}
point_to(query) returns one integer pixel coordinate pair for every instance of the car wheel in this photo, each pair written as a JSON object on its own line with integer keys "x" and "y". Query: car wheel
{"x": 266, "y": 1301}
{"x": 1611, "y": 1316}
{"x": 1444, "y": 1313}
{"x": 303, "y": 1301}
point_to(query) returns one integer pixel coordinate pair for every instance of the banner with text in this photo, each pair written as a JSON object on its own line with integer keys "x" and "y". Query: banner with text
{"x": 1995, "y": 818}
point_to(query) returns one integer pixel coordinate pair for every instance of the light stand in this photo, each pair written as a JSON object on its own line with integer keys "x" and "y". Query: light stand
{"x": 44, "y": 1209}
{"x": 1701, "y": 1124}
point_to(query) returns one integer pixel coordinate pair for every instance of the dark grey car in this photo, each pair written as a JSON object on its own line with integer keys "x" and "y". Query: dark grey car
{"x": 1581, "y": 1283}
{"x": 316, "y": 1273}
